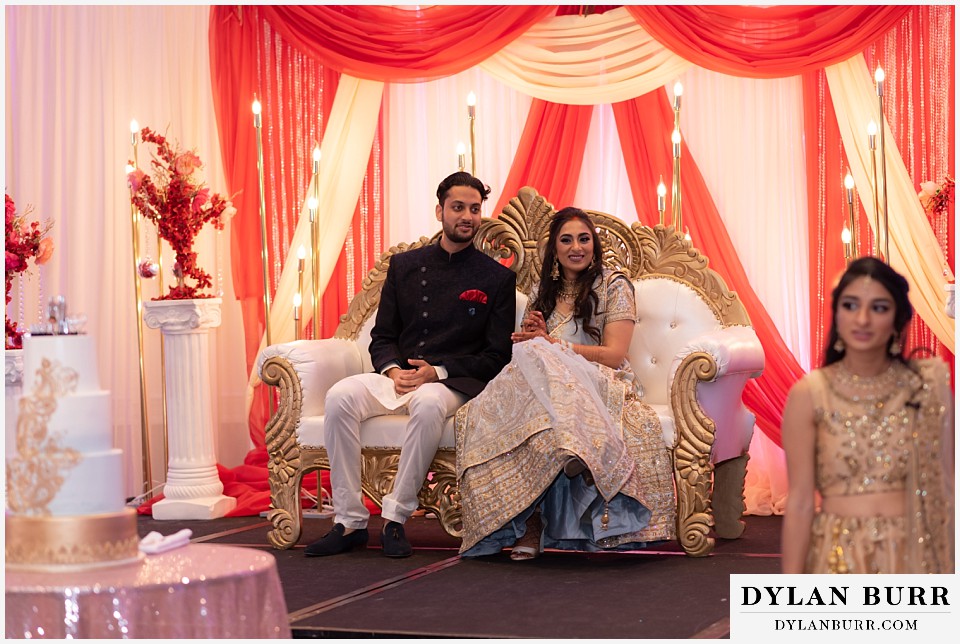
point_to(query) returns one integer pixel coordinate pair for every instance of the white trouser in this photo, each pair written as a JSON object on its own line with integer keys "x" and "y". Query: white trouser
{"x": 348, "y": 403}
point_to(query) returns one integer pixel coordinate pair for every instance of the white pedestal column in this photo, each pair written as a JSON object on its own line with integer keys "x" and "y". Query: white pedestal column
{"x": 193, "y": 489}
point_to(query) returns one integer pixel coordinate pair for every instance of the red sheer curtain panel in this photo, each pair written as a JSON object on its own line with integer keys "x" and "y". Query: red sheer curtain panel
{"x": 826, "y": 205}
{"x": 550, "y": 153}
{"x": 393, "y": 44}
{"x": 247, "y": 58}
{"x": 644, "y": 125}
{"x": 919, "y": 104}
{"x": 766, "y": 42}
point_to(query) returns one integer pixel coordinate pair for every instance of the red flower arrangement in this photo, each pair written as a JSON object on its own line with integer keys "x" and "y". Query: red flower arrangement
{"x": 934, "y": 198}
{"x": 23, "y": 242}
{"x": 180, "y": 206}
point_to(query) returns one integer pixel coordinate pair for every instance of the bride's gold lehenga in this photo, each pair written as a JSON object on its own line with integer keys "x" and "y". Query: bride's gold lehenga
{"x": 884, "y": 434}
{"x": 548, "y": 405}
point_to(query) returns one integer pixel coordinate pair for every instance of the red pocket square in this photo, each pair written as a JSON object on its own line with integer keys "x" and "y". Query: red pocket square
{"x": 474, "y": 295}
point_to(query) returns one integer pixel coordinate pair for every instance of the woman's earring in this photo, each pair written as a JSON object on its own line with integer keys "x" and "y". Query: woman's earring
{"x": 839, "y": 346}
{"x": 555, "y": 273}
{"x": 593, "y": 260}
{"x": 895, "y": 345}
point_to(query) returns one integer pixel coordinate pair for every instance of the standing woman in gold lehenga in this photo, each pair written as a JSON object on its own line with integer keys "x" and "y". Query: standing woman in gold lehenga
{"x": 872, "y": 433}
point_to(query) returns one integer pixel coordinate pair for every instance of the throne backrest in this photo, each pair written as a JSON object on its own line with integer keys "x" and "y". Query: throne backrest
{"x": 678, "y": 297}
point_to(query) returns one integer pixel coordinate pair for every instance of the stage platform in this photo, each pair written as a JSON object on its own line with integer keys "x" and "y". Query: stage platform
{"x": 657, "y": 593}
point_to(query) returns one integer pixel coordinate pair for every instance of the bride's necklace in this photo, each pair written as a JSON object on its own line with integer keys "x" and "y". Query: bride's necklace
{"x": 569, "y": 291}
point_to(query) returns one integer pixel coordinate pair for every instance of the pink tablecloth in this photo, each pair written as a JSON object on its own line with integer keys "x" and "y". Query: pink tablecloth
{"x": 199, "y": 590}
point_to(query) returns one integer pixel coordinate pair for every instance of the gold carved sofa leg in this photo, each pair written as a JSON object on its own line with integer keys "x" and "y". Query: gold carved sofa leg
{"x": 691, "y": 456}
{"x": 728, "y": 503}
{"x": 284, "y": 467}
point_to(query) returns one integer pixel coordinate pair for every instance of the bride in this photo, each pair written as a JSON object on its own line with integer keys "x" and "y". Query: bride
{"x": 558, "y": 451}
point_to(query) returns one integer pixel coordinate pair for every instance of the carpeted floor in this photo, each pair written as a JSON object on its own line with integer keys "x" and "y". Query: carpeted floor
{"x": 658, "y": 593}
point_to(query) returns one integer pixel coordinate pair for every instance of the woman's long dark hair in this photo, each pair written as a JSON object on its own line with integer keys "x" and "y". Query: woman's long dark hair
{"x": 891, "y": 280}
{"x": 586, "y": 303}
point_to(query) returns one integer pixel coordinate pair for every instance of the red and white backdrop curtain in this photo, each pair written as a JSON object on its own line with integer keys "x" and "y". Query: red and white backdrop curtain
{"x": 775, "y": 106}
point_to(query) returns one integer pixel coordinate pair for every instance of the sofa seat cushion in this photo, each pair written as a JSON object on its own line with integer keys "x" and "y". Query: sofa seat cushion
{"x": 379, "y": 431}
{"x": 388, "y": 431}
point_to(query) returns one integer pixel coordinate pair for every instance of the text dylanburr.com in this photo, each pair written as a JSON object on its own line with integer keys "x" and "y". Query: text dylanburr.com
{"x": 856, "y": 608}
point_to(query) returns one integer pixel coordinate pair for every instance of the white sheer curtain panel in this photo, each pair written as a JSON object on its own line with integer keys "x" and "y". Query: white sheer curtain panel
{"x": 424, "y": 123}
{"x": 75, "y": 77}
{"x": 747, "y": 138}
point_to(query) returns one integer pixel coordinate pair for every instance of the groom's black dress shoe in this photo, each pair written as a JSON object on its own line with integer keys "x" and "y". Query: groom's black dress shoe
{"x": 394, "y": 541}
{"x": 334, "y": 542}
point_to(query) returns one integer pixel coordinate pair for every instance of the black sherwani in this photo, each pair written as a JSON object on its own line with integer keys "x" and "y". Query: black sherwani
{"x": 456, "y": 311}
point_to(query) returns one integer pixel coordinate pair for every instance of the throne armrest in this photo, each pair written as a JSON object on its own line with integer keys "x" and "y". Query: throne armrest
{"x": 738, "y": 356}
{"x": 318, "y": 364}
{"x": 736, "y": 350}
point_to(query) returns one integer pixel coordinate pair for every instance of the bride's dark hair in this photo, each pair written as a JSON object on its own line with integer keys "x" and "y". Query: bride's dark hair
{"x": 586, "y": 302}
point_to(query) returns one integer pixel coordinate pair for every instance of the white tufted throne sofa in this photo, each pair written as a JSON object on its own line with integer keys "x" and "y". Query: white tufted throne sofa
{"x": 693, "y": 350}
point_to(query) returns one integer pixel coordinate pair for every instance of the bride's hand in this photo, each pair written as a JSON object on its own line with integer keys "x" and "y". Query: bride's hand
{"x": 533, "y": 326}
{"x": 534, "y": 323}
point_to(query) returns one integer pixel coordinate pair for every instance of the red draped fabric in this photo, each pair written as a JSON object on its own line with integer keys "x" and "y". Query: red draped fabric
{"x": 550, "y": 153}
{"x": 644, "y": 126}
{"x": 402, "y": 45}
{"x": 826, "y": 166}
{"x": 766, "y": 42}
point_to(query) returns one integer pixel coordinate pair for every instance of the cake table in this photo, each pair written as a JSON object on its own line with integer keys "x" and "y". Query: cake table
{"x": 197, "y": 591}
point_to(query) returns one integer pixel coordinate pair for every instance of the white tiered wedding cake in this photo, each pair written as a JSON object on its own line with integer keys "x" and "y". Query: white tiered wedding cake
{"x": 65, "y": 491}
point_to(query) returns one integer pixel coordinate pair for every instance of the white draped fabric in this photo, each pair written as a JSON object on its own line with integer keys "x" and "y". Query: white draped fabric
{"x": 77, "y": 75}
{"x": 586, "y": 60}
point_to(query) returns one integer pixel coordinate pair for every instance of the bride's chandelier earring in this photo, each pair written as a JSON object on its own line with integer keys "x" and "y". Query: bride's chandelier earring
{"x": 555, "y": 273}
{"x": 895, "y": 345}
{"x": 839, "y": 346}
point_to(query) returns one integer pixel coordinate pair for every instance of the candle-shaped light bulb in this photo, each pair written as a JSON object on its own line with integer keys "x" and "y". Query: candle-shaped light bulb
{"x": 130, "y": 168}
{"x": 879, "y": 76}
{"x": 301, "y": 252}
{"x": 461, "y": 156}
{"x": 848, "y": 184}
{"x": 471, "y": 105}
{"x": 256, "y": 113}
{"x": 687, "y": 235}
{"x": 316, "y": 159}
{"x": 297, "y": 300}
{"x": 675, "y": 137}
{"x": 661, "y": 195}
{"x": 312, "y": 203}
{"x": 845, "y": 236}
{"x": 872, "y": 135}
{"x": 677, "y": 93}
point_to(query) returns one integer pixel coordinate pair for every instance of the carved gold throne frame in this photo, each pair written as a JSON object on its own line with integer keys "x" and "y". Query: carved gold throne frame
{"x": 705, "y": 498}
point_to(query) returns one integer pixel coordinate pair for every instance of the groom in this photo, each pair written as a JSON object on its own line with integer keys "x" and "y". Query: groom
{"x": 442, "y": 332}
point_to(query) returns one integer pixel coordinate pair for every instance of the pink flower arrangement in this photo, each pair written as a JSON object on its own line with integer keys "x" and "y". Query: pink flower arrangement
{"x": 23, "y": 242}
{"x": 180, "y": 205}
